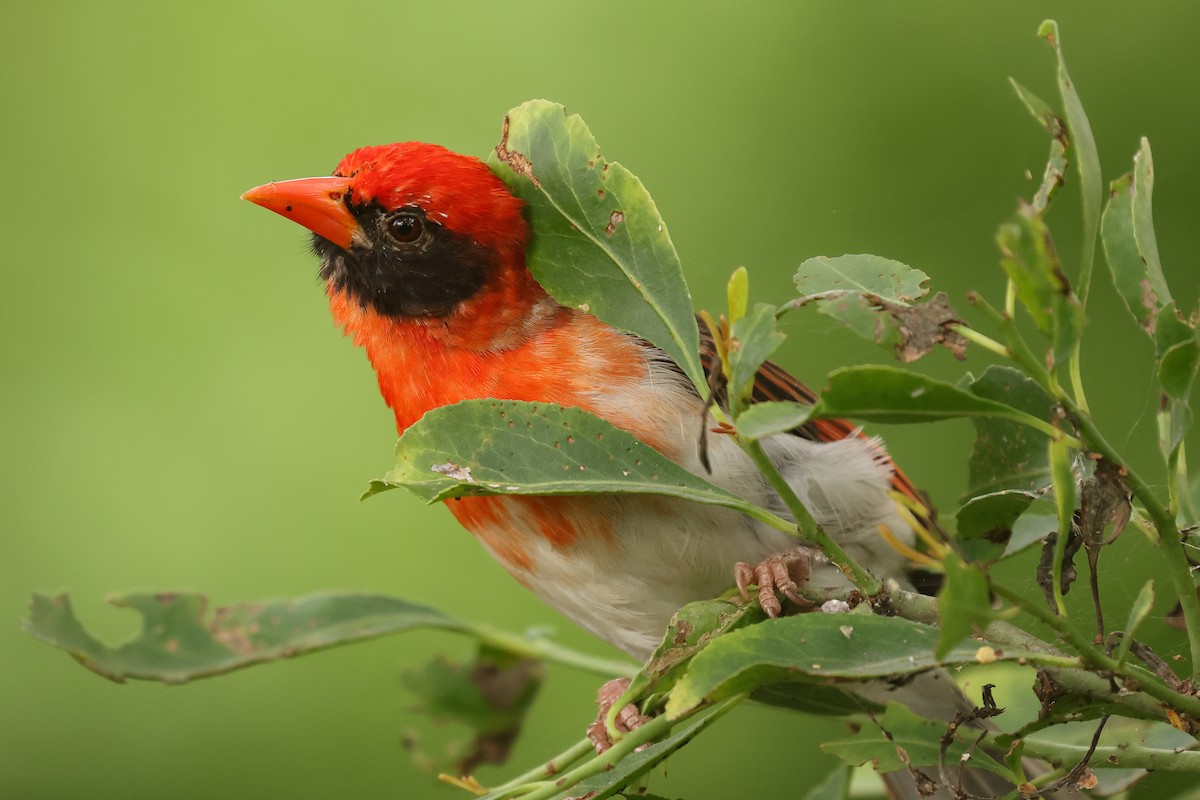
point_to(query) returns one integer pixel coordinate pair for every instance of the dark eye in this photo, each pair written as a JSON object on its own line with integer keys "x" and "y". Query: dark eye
{"x": 405, "y": 228}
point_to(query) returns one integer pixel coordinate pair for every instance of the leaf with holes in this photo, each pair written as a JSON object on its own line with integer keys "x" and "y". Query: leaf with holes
{"x": 875, "y": 297}
{"x": 181, "y": 640}
{"x": 1130, "y": 246}
{"x": 1056, "y": 164}
{"x": 477, "y": 708}
{"x": 1082, "y": 152}
{"x": 599, "y": 243}
{"x": 1031, "y": 263}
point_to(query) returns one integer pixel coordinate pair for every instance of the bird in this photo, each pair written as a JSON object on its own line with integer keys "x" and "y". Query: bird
{"x": 422, "y": 254}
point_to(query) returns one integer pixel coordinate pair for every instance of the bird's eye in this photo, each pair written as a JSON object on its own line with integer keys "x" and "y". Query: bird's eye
{"x": 405, "y": 228}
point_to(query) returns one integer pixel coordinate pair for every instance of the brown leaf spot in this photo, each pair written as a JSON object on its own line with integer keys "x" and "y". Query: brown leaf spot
{"x": 517, "y": 162}
{"x": 1150, "y": 303}
{"x": 614, "y": 219}
{"x": 924, "y": 326}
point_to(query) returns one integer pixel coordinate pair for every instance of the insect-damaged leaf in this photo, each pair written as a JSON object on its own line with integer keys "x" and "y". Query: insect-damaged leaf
{"x": 180, "y": 641}
{"x": 1030, "y": 261}
{"x": 477, "y": 706}
{"x": 1130, "y": 246}
{"x": 509, "y": 447}
{"x": 1082, "y": 152}
{"x": 1056, "y": 164}
{"x": 599, "y": 243}
{"x": 875, "y": 297}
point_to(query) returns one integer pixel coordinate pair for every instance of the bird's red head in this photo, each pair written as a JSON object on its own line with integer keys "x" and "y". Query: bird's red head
{"x": 408, "y": 230}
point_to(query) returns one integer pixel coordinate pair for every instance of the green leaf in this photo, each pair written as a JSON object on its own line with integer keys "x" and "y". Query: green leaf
{"x": 1178, "y": 362}
{"x": 690, "y": 631}
{"x": 1124, "y": 261}
{"x": 1082, "y": 152}
{"x": 890, "y": 394}
{"x": 599, "y": 242}
{"x": 1143, "y": 218}
{"x": 753, "y": 339}
{"x": 1178, "y": 351}
{"x": 999, "y": 524}
{"x": 860, "y": 274}
{"x": 1130, "y": 246}
{"x": 768, "y": 418}
{"x": 180, "y": 641}
{"x": 1123, "y": 740}
{"x": 1142, "y": 605}
{"x": 1031, "y": 263}
{"x": 1056, "y": 164}
{"x": 478, "y": 707}
{"x": 811, "y": 648}
{"x": 874, "y": 296}
{"x": 862, "y": 316}
{"x": 920, "y": 739}
{"x": 964, "y": 603}
{"x": 835, "y": 786}
{"x": 1008, "y": 455}
{"x": 509, "y": 447}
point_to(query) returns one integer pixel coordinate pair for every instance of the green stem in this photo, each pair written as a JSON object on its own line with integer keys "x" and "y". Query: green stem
{"x": 553, "y": 652}
{"x": 654, "y": 729}
{"x": 1164, "y": 521}
{"x": 867, "y": 583}
{"x": 543, "y": 772}
{"x": 1097, "y": 659}
{"x": 983, "y": 340}
{"x": 1019, "y": 351}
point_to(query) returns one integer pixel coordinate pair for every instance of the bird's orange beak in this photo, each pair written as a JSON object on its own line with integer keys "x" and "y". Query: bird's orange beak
{"x": 318, "y": 204}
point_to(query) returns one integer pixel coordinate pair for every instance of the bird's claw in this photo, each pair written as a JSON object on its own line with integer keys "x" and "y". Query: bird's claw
{"x": 628, "y": 718}
{"x": 778, "y": 574}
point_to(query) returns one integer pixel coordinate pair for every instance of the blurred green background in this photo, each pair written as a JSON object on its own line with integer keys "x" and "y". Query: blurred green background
{"x": 179, "y": 413}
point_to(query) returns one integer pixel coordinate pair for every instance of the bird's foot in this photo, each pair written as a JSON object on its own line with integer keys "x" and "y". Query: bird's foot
{"x": 628, "y": 719}
{"x": 778, "y": 574}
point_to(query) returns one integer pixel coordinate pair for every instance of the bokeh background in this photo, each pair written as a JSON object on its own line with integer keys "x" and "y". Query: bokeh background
{"x": 178, "y": 412}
